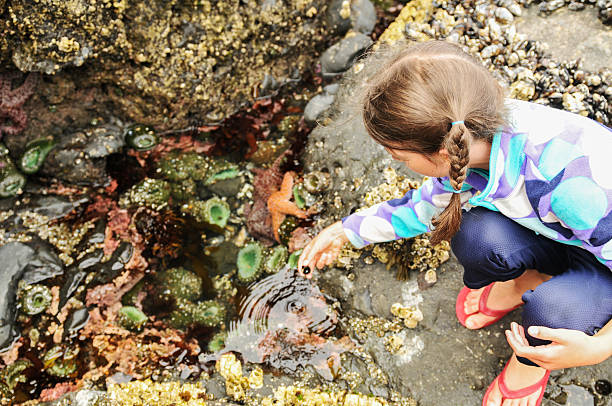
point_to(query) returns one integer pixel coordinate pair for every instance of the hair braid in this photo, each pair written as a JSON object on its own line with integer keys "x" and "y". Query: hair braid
{"x": 457, "y": 145}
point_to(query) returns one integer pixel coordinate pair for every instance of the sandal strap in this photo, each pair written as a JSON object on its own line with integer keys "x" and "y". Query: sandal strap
{"x": 520, "y": 393}
{"x": 482, "y": 304}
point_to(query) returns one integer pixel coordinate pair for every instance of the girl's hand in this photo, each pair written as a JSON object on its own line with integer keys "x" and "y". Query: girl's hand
{"x": 569, "y": 348}
{"x": 323, "y": 249}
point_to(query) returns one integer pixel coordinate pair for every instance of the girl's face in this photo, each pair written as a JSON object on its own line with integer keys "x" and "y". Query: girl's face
{"x": 435, "y": 165}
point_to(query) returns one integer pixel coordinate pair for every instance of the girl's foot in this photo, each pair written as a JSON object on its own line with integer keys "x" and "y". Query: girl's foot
{"x": 503, "y": 295}
{"x": 518, "y": 376}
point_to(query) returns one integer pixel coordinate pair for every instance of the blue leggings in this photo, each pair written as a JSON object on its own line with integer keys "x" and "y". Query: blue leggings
{"x": 492, "y": 247}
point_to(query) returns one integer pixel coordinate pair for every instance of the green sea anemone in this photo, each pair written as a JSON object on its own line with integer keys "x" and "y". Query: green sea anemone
{"x": 129, "y": 299}
{"x": 152, "y": 193}
{"x": 132, "y": 318}
{"x": 35, "y": 299}
{"x": 213, "y": 212}
{"x": 208, "y": 313}
{"x": 140, "y": 137}
{"x": 293, "y": 258}
{"x": 317, "y": 181}
{"x": 249, "y": 262}
{"x": 184, "y": 190}
{"x": 217, "y": 342}
{"x": 302, "y": 197}
{"x": 11, "y": 376}
{"x": 35, "y": 154}
{"x": 178, "y": 166}
{"x": 221, "y": 169}
{"x": 179, "y": 283}
{"x": 11, "y": 180}
{"x": 60, "y": 361}
{"x": 276, "y": 259}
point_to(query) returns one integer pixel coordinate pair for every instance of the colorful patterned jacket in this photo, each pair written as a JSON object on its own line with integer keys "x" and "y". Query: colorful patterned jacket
{"x": 551, "y": 171}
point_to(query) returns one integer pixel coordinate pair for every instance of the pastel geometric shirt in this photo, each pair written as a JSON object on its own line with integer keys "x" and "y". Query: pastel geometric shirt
{"x": 550, "y": 171}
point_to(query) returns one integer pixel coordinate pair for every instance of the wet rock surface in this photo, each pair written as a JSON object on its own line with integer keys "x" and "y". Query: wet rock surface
{"x": 157, "y": 56}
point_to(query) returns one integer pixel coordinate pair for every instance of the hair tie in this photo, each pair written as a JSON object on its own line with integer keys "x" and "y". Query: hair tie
{"x": 457, "y": 191}
{"x": 456, "y": 122}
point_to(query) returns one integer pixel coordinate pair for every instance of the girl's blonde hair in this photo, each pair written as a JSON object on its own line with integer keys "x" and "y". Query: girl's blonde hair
{"x": 412, "y": 101}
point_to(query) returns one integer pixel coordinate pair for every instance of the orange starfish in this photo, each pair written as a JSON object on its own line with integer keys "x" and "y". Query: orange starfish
{"x": 280, "y": 204}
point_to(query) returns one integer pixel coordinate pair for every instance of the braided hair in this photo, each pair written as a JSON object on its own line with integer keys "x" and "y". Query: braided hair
{"x": 429, "y": 96}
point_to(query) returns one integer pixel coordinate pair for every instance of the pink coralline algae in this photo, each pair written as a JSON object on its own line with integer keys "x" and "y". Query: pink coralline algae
{"x": 13, "y": 118}
{"x": 258, "y": 218}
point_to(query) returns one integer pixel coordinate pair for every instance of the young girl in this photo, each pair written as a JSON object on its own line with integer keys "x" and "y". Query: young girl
{"x": 522, "y": 191}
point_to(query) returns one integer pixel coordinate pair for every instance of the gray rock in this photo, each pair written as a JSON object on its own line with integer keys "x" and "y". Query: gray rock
{"x": 362, "y": 17}
{"x": 578, "y": 396}
{"x": 340, "y": 56}
{"x": 14, "y": 258}
{"x": 43, "y": 265}
{"x": 79, "y": 157}
{"x": 317, "y": 106}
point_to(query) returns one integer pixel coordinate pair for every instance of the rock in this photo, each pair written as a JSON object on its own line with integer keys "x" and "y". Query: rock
{"x": 14, "y": 258}
{"x": 578, "y": 396}
{"x": 79, "y": 157}
{"x": 317, "y": 106}
{"x": 342, "y": 15}
{"x": 43, "y": 265}
{"x": 76, "y": 321}
{"x": 166, "y": 61}
{"x": 340, "y": 56}
{"x": 503, "y": 15}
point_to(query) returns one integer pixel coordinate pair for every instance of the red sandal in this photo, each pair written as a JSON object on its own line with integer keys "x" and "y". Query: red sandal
{"x": 516, "y": 394}
{"x": 482, "y": 306}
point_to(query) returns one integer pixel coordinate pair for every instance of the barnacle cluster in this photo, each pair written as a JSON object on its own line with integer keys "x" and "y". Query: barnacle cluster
{"x": 136, "y": 393}
{"x": 236, "y": 385}
{"x": 296, "y": 395}
{"x": 412, "y": 254}
{"x": 409, "y": 315}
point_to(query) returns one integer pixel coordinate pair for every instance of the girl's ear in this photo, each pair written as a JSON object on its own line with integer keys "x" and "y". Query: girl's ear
{"x": 443, "y": 154}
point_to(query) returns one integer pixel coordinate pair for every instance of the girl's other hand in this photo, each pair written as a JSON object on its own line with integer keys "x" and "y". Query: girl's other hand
{"x": 323, "y": 249}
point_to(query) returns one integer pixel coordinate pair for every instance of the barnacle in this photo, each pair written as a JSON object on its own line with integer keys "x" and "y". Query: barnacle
{"x": 184, "y": 190}
{"x": 35, "y": 299}
{"x": 179, "y": 283}
{"x": 132, "y": 318}
{"x": 317, "y": 181}
{"x": 276, "y": 258}
{"x": 249, "y": 262}
{"x": 35, "y": 154}
{"x": 140, "y": 137}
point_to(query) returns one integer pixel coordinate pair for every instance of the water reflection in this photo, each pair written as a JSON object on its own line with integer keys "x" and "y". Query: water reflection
{"x": 286, "y": 323}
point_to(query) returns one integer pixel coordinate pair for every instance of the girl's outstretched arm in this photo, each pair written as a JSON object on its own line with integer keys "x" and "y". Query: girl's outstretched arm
{"x": 406, "y": 217}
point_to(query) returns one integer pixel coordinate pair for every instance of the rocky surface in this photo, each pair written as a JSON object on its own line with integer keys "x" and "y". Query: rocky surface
{"x": 591, "y": 42}
{"x": 164, "y": 63}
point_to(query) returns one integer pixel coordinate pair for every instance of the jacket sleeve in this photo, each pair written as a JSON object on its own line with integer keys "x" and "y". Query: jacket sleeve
{"x": 405, "y": 217}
